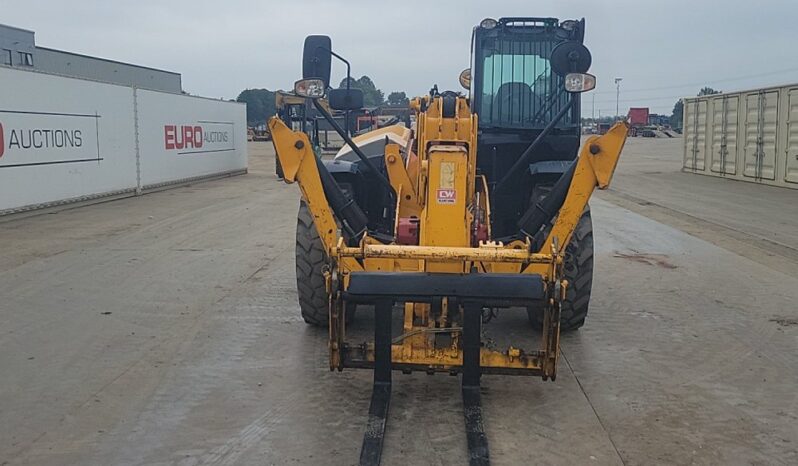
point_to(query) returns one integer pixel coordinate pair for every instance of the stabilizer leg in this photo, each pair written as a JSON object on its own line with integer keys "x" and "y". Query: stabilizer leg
{"x": 371, "y": 450}
{"x": 472, "y": 403}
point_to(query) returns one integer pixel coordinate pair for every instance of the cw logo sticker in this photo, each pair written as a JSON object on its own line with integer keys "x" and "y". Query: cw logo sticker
{"x": 2, "y": 141}
{"x": 447, "y": 196}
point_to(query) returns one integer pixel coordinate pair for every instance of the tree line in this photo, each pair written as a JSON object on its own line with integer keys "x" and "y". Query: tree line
{"x": 261, "y": 102}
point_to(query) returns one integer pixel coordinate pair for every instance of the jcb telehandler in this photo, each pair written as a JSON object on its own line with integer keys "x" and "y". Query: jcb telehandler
{"x": 481, "y": 205}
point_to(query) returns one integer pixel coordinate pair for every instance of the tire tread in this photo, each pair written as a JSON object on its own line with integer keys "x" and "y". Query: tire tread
{"x": 310, "y": 261}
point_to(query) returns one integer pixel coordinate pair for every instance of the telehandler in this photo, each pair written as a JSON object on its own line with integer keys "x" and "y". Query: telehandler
{"x": 482, "y": 205}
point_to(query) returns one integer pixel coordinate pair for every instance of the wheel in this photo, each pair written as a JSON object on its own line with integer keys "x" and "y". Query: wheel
{"x": 578, "y": 270}
{"x": 310, "y": 262}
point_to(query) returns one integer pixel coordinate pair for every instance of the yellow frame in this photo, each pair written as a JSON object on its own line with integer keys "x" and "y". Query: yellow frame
{"x": 445, "y": 140}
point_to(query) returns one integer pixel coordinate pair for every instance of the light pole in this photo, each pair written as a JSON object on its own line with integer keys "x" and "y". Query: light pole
{"x": 617, "y": 96}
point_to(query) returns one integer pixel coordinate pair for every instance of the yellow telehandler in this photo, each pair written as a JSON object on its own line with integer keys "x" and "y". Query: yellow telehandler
{"x": 482, "y": 205}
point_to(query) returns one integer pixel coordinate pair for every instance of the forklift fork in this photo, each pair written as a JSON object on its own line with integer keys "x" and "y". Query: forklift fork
{"x": 371, "y": 451}
{"x": 383, "y": 290}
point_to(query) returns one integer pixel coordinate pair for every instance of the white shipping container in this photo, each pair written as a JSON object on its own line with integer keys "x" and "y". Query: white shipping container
{"x": 186, "y": 137}
{"x": 747, "y": 135}
{"x": 65, "y": 139}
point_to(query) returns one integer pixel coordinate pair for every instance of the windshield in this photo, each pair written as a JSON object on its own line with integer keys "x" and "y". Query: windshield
{"x": 517, "y": 84}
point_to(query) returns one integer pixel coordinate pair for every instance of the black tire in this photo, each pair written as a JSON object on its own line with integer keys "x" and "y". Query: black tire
{"x": 578, "y": 270}
{"x": 310, "y": 261}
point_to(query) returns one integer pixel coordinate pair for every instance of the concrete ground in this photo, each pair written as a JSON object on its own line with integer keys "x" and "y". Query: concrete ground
{"x": 754, "y": 220}
{"x": 164, "y": 330}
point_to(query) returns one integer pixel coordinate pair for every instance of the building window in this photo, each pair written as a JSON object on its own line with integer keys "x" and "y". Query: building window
{"x": 25, "y": 58}
{"x": 7, "y": 57}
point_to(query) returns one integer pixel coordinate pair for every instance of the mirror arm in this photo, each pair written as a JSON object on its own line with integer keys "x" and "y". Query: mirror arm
{"x": 523, "y": 159}
{"x": 384, "y": 181}
{"x": 348, "y": 66}
{"x": 348, "y": 80}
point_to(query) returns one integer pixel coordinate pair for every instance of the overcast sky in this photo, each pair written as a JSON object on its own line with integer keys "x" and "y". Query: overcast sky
{"x": 662, "y": 49}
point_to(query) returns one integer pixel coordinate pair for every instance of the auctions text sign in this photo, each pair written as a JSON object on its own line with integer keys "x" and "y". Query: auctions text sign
{"x": 42, "y": 138}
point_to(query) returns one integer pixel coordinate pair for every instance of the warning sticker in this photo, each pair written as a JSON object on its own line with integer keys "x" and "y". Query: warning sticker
{"x": 447, "y": 175}
{"x": 447, "y": 196}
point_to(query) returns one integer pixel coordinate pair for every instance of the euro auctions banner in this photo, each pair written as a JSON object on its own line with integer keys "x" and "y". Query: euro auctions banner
{"x": 184, "y": 136}
{"x": 200, "y": 137}
{"x": 29, "y": 138}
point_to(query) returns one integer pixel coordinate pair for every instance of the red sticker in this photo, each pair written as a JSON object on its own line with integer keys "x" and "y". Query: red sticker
{"x": 447, "y": 196}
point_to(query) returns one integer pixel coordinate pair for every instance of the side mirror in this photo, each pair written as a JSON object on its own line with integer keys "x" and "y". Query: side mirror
{"x": 465, "y": 78}
{"x": 317, "y": 58}
{"x": 343, "y": 99}
{"x": 570, "y": 57}
{"x": 576, "y": 83}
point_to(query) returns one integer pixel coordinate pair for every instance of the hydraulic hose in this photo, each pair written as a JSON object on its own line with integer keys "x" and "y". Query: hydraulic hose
{"x": 352, "y": 218}
{"x": 543, "y": 212}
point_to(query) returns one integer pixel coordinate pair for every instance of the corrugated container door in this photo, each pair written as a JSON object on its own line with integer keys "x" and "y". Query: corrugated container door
{"x": 724, "y": 135}
{"x": 695, "y": 135}
{"x": 791, "y": 151}
{"x": 761, "y": 130}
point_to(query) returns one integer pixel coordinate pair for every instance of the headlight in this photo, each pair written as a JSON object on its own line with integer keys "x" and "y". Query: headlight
{"x": 579, "y": 82}
{"x": 488, "y": 23}
{"x": 465, "y": 78}
{"x": 313, "y": 88}
{"x": 569, "y": 25}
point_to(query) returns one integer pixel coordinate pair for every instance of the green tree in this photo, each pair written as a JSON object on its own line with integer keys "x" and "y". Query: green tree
{"x": 260, "y": 105}
{"x": 707, "y": 91}
{"x": 678, "y": 114}
{"x": 398, "y": 98}
{"x": 372, "y": 97}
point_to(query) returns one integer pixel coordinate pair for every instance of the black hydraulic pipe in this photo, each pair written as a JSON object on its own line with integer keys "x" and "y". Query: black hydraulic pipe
{"x": 523, "y": 160}
{"x": 383, "y": 180}
{"x": 352, "y": 218}
{"x": 544, "y": 211}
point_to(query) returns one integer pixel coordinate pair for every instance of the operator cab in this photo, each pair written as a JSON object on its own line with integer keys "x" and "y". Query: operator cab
{"x": 529, "y": 118}
{"x": 514, "y": 86}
